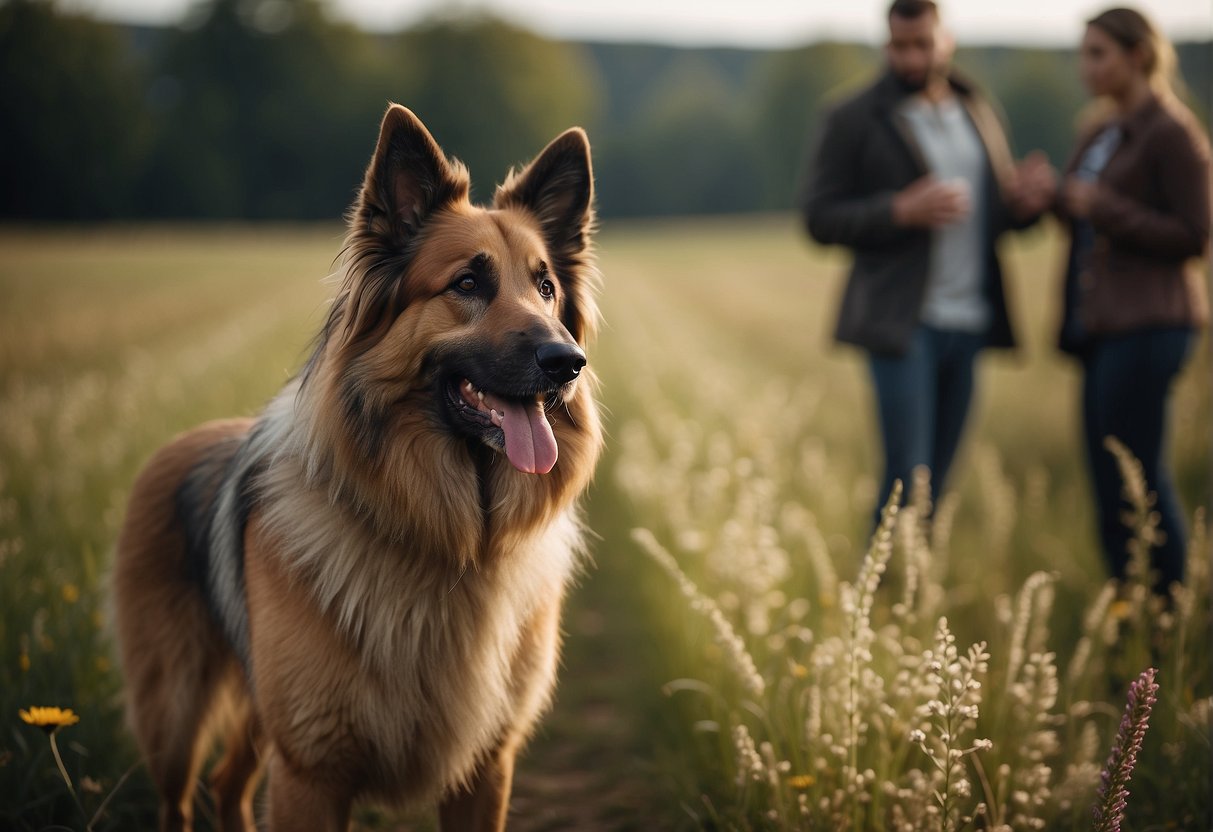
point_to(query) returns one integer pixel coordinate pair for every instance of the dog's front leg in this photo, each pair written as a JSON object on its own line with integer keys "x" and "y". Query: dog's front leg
{"x": 299, "y": 804}
{"x": 482, "y": 806}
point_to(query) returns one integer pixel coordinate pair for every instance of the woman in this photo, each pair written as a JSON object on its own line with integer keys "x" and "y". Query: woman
{"x": 1137, "y": 199}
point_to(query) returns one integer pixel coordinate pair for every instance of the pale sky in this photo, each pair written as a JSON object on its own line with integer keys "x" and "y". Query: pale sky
{"x": 760, "y": 23}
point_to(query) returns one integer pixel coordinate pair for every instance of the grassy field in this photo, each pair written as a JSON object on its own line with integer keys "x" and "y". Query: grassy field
{"x": 746, "y": 660}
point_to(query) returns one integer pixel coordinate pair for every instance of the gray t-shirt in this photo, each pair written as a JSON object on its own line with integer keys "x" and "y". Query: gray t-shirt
{"x": 949, "y": 142}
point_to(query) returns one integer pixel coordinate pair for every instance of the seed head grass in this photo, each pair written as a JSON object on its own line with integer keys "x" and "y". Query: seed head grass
{"x": 802, "y": 651}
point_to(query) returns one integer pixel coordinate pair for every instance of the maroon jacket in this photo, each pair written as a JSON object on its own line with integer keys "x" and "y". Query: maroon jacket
{"x": 1151, "y": 217}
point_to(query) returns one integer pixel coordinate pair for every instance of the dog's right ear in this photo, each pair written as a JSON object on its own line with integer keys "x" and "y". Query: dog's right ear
{"x": 408, "y": 179}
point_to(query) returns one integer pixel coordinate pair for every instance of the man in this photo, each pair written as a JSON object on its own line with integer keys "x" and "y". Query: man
{"x": 914, "y": 174}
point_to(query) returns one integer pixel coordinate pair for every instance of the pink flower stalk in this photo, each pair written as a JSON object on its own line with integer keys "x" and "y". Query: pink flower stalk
{"x": 1114, "y": 781}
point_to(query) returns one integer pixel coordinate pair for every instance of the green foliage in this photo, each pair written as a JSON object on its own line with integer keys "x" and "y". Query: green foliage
{"x": 794, "y": 87}
{"x": 73, "y": 127}
{"x": 262, "y": 109}
{"x": 1039, "y": 92}
{"x": 690, "y": 146}
{"x": 492, "y": 94}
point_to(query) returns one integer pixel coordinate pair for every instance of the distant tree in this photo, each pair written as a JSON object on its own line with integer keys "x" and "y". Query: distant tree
{"x": 691, "y": 150}
{"x": 263, "y": 108}
{"x": 71, "y": 127}
{"x": 492, "y": 94}
{"x": 1196, "y": 67}
{"x": 793, "y": 87}
{"x": 1038, "y": 91}
{"x": 1042, "y": 97}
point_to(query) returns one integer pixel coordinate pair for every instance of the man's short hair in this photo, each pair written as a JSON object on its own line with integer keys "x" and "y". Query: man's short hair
{"x": 912, "y": 9}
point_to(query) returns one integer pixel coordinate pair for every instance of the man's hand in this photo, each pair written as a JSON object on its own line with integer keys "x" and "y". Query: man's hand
{"x": 929, "y": 203}
{"x": 1033, "y": 186}
{"x": 1077, "y": 195}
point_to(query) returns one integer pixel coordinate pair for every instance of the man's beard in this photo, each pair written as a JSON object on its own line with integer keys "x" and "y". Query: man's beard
{"x": 910, "y": 86}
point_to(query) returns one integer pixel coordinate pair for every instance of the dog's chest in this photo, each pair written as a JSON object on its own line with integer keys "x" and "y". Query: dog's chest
{"x": 462, "y": 672}
{"x": 438, "y": 670}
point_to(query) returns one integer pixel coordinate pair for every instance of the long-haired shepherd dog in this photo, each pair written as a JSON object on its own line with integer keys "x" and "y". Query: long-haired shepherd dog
{"x": 362, "y": 586}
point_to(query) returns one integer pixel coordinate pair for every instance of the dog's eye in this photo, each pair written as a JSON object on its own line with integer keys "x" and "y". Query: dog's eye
{"x": 547, "y": 289}
{"x": 466, "y": 284}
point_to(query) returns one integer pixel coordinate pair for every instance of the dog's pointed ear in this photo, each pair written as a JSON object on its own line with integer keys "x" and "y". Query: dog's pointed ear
{"x": 557, "y": 187}
{"x": 408, "y": 179}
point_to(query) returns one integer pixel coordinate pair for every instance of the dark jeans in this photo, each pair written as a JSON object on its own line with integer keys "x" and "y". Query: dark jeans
{"x": 922, "y": 399}
{"x": 1125, "y": 386}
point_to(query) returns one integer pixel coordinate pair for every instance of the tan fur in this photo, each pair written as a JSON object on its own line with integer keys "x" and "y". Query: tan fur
{"x": 181, "y": 678}
{"x": 403, "y": 596}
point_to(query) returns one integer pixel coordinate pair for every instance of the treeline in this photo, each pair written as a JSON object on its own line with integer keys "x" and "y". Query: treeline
{"x": 259, "y": 109}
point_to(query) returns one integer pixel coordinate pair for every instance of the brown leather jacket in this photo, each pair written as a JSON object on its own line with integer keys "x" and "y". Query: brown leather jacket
{"x": 1151, "y": 218}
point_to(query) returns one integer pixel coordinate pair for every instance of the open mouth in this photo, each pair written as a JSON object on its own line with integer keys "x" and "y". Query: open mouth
{"x": 518, "y": 426}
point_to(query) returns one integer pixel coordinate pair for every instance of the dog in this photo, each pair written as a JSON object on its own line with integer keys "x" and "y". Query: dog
{"x": 359, "y": 590}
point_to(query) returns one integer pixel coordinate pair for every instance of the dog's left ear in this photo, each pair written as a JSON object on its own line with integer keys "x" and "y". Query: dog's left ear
{"x": 557, "y": 188}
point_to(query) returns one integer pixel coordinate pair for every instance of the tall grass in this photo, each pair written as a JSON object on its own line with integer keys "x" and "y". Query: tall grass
{"x": 969, "y": 670}
{"x": 810, "y": 670}
{"x": 110, "y": 343}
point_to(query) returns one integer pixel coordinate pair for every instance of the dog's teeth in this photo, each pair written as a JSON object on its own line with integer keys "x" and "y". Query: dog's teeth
{"x": 480, "y": 395}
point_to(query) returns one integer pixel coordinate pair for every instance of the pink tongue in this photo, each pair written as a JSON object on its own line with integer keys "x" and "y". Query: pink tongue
{"x": 529, "y": 441}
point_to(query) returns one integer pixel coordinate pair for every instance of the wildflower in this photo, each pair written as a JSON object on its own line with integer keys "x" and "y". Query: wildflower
{"x": 71, "y": 593}
{"x": 953, "y": 713}
{"x": 1142, "y": 517}
{"x": 801, "y": 781}
{"x": 749, "y": 763}
{"x": 49, "y": 720}
{"x": 1114, "y": 781}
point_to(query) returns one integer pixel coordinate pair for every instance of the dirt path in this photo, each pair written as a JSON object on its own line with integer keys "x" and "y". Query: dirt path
{"x": 591, "y": 768}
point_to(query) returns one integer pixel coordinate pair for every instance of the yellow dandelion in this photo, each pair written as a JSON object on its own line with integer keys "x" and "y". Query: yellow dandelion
{"x": 801, "y": 781}
{"x": 71, "y": 593}
{"x": 799, "y": 670}
{"x": 1120, "y": 610}
{"x": 49, "y": 720}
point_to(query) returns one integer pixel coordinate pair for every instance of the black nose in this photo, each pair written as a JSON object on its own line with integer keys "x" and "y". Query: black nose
{"x": 562, "y": 362}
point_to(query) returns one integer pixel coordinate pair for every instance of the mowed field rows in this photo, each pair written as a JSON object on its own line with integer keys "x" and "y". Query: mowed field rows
{"x": 710, "y": 677}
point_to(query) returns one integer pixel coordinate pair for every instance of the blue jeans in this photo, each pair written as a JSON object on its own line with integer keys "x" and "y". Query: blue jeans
{"x": 1125, "y": 386}
{"x": 922, "y": 400}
